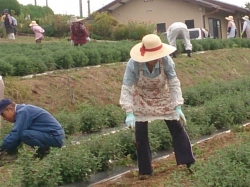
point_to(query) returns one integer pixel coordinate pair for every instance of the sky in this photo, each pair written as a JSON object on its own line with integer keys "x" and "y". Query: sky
{"x": 72, "y": 6}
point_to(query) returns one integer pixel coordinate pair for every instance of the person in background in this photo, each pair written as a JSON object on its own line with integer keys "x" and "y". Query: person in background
{"x": 14, "y": 24}
{"x": 205, "y": 33}
{"x": 33, "y": 126}
{"x": 78, "y": 33}
{"x": 152, "y": 91}
{"x": 8, "y": 24}
{"x": 38, "y": 31}
{"x": 246, "y": 26}
{"x": 180, "y": 30}
{"x": 231, "y": 27}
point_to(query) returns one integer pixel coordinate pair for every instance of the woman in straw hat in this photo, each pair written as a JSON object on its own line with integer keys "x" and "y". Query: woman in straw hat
{"x": 78, "y": 33}
{"x": 231, "y": 27}
{"x": 151, "y": 91}
{"x": 246, "y": 26}
{"x": 38, "y": 31}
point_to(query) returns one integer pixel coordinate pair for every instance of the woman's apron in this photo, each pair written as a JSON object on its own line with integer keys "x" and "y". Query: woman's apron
{"x": 152, "y": 99}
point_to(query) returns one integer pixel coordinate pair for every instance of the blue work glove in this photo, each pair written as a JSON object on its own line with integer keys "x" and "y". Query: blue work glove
{"x": 180, "y": 115}
{"x": 130, "y": 120}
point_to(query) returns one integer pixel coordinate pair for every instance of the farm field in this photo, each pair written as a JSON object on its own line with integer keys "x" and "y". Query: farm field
{"x": 167, "y": 174}
{"x": 100, "y": 85}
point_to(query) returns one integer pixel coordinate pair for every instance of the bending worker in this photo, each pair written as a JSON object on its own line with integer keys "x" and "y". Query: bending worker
{"x": 151, "y": 91}
{"x": 33, "y": 126}
{"x": 180, "y": 30}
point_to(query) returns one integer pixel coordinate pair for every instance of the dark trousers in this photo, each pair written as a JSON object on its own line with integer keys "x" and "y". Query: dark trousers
{"x": 39, "y": 139}
{"x": 181, "y": 143}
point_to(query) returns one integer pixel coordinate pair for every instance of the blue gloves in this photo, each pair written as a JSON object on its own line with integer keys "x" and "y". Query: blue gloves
{"x": 180, "y": 115}
{"x": 130, "y": 120}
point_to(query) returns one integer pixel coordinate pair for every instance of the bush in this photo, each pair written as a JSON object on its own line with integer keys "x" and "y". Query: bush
{"x": 6, "y": 68}
{"x": 69, "y": 121}
{"x": 120, "y": 32}
{"x": 49, "y": 30}
{"x": 63, "y": 60}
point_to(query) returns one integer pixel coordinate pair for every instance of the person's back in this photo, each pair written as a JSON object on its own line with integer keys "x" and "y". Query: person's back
{"x": 38, "y": 119}
{"x": 179, "y": 30}
{"x": 177, "y": 25}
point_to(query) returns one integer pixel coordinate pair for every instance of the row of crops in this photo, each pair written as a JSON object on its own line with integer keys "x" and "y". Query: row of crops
{"x": 208, "y": 107}
{"x": 27, "y": 59}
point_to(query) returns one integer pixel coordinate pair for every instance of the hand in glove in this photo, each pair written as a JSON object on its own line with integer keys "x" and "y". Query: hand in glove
{"x": 180, "y": 115}
{"x": 130, "y": 120}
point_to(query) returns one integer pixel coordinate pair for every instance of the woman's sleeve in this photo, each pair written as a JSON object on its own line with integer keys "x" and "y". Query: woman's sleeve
{"x": 126, "y": 98}
{"x": 1, "y": 88}
{"x": 173, "y": 82}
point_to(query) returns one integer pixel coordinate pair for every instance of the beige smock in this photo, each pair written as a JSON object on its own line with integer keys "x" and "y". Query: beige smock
{"x": 1, "y": 92}
{"x": 152, "y": 98}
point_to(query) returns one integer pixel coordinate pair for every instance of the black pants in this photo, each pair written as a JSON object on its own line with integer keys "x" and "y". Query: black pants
{"x": 181, "y": 143}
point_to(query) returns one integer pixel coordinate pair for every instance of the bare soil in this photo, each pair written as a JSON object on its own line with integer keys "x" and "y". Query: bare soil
{"x": 102, "y": 85}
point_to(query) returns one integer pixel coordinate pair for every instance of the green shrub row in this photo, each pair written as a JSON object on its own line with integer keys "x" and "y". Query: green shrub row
{"x": 89, "y": 119}
{"x": 199, "y": 94}
{"x": 88, "y": 154}
{"x": 31, "y": 58}
{"x": 228, "y": 167}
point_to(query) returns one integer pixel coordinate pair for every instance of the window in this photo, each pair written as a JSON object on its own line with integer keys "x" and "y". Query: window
{"x": 214, "y": 28}
{"x": 189, "y": 23}
{"x": 161, "y": 27}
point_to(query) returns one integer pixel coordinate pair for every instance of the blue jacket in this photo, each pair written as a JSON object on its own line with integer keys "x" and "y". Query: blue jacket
{"x": 29, "y": 117}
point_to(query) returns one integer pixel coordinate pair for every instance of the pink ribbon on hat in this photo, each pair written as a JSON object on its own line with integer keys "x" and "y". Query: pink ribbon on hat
{"x": 143, "y": 49}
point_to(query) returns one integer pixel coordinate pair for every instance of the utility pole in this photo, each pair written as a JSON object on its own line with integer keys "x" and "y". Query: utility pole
{"x": 35, "y": 2}
{"x": 80, "y": 4}
{"x": 88, "y": 8}
{"x": 47, "y": 3}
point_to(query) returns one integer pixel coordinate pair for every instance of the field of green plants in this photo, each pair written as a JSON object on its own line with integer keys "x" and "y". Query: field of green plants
{"x": 208, "y": 106}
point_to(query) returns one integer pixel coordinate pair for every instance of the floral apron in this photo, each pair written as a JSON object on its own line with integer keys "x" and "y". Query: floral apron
{"x": 152, "y": 99}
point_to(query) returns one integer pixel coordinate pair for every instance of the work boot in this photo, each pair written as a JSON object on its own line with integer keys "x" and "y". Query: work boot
{"x": 42, "y": 152}
{"x": 189, "y": 53}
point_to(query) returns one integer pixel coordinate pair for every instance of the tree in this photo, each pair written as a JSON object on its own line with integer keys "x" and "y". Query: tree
{"x": 36, "y": 12}
{"x": 247, "y": 5}
{"x": 103, "y": 24}
{"x": 12, "y": 5}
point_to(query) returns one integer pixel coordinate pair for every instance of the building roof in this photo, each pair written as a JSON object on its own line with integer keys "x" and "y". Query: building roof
{"x": 206, "y": 3}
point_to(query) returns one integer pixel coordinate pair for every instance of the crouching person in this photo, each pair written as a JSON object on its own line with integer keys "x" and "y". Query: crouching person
{"x": 33, "y": 126}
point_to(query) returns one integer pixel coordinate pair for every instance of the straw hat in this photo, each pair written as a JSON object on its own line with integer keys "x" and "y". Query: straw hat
{"x": 33, "y": 23}
{"x": 74, "y": 19}
{"x": 230, "y": 18}
{"x": 151, "y": 48}
{"x": 245, "y": 18}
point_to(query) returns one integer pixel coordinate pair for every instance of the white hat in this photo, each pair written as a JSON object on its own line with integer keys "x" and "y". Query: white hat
{"x": 151, "y": 48}
{"x": 74, "y": 19}
{"x": 245, "y": 18}
{"x": 230, "y": 18}
{"x": 33, "y": 23}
